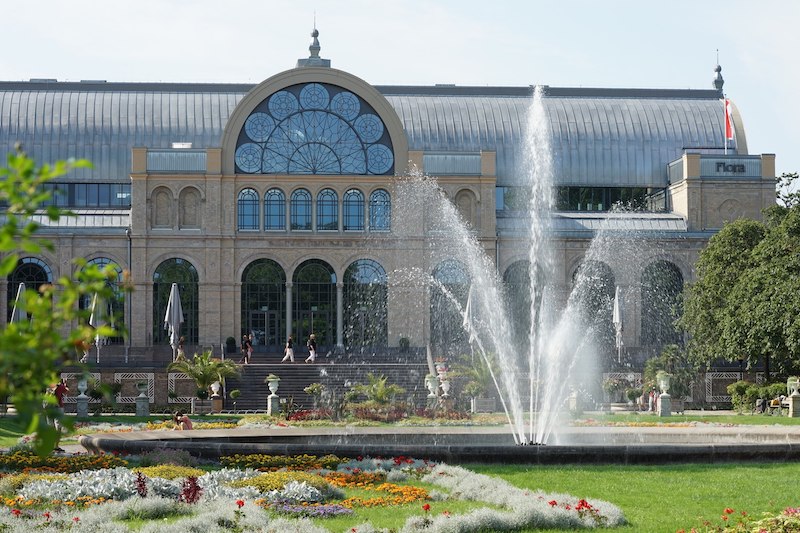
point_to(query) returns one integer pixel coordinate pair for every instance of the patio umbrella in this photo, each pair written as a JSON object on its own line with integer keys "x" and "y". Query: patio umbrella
{"x": 616, "y": 318}
{"x": 100, "y": 317}
{"x": 174, "y": 318}
{"x": 18, "y": 314}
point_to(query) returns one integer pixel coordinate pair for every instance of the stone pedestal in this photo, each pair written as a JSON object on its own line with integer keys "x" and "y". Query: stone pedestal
{"x": 794, "y": 404}
{"x": 273, "y": 404}
{"x": 664, "y": 404}
{"x": 142, "y": 405}
{"x": 216, "y": 404}
{"x": 82, "y": 406}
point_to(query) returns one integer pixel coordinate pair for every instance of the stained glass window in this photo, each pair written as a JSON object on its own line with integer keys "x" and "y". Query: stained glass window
{"x": 314, "y": 128}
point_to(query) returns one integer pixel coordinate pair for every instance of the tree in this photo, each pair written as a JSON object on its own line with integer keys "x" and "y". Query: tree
{"x": 764, "y": 304}
{"x": 706, "y": 301}
{"x": 744, "y": 304}
{"x": 205, "y": 370}
{"x": 788, "y": 194}
{"x": 32, "y": 352}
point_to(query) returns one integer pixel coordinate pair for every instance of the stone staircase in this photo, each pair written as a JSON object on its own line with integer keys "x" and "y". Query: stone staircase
{"x": 335, "y": 375}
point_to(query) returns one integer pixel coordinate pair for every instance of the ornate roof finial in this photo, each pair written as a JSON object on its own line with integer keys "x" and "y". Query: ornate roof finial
{"x": 718, "y": 81}
{"x": 314, "y": 60}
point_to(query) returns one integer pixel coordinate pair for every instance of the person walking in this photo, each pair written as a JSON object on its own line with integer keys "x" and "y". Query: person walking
{"x": 60, "y": 390}
{"x": 312, "y": 348}
{"x": 288, "y": 352}
{"x": 247, "y": 349}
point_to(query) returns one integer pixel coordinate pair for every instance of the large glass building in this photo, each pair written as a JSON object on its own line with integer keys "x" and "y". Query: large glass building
{"x": 274, "y": 206}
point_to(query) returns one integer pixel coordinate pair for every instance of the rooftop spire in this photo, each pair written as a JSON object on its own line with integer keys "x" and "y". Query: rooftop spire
{"x": 314, "y": 60}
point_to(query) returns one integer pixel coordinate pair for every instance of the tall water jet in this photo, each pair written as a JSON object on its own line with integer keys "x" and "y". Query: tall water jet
{"x": 540, "y": 186}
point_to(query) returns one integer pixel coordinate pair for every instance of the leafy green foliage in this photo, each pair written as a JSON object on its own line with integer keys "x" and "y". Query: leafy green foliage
{"x": 32, "y": 352}
{"x": 205, "y": 370}
{"x": 744, "y": 303}
{"x": 378, "y": 389}
{"x": 675, "y": 362}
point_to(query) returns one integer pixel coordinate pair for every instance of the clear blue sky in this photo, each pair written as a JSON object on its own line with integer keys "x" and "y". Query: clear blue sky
{"x": 589, "y": 43}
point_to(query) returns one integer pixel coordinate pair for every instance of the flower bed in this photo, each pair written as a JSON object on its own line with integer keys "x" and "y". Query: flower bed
{"x": 240, "y": 498}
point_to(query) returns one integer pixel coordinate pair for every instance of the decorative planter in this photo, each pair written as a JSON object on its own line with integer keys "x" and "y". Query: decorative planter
{"x": 432, "y": 384}
{"x": 273, "y": 386}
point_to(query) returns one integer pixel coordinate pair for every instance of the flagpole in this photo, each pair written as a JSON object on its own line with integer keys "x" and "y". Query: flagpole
{"x": 725, "y": 124}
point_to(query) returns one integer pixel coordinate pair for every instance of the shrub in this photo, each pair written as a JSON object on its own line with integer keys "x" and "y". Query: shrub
{"x": 271, "y": 481}
{"x": 10, "y": 484}
{"x": 168, "y": 456}
{"x": 22, "y": 460}
{"x": 259, "y": 461}
{"x": 737, "y": 392}
{"x": 170, "y": 471}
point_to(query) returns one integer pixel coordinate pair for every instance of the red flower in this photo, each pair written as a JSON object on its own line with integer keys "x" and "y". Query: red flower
{"x": 47, "y": 515}
{"x": 359, "y": 458}
{"x": 16, "y": 512}
{"x": 76, "y": 519}
{"x": 553, "y": 503}
{"x": 240, "y": 503}
{"x": 728, "y": 510}
{"x": 724, "y": 517}
{"x": 426, "y": 507}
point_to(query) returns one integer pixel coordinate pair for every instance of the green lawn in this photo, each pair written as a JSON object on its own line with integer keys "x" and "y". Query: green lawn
{"x": 649, "y": 418}
{"x": 666, "y": 498}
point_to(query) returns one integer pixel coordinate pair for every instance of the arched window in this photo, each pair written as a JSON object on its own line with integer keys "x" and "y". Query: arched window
{"x": 365, "y": 304}
{"x": 662, "y": 285}
{"x": 274, "y": 210}
{"x": 185, "y": 275}
{"x": 353, "y": 210}
{"x": 314, "y": 303}
{"x": 451, "y": 282}
{"x": 327, "y": 210}
{"x": 33, "y": 273}
{"x": 301, "y": 210}
{"x": 380, "y": 211}
{"x": 314, "y": 128}
{"x": 264, "y": 304}
{"x": 117, "y": 302}
{"x": 248, "y": 210}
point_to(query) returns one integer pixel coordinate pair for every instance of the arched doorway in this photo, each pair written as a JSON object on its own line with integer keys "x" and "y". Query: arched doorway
{"x": 117, "y": 301}
{"x": 314, "y": 303}
{"x": 264, "y": 304}
{"x": 365, "y": 304}
{"x": 447, "y": 335}
{"x": 594, "y": 287}
{"x": 183, "y": 273}
{"x": 33, "y": 273}
{"x": 662, "y": 285}
{"x": 517, "y": 284}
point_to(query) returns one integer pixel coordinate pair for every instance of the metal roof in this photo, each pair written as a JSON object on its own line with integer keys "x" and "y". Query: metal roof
{"x": 566, "y": 223}
{"x": 601, "y": 137}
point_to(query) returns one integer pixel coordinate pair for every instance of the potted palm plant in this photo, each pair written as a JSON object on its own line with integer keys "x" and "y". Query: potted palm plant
{"x": 205, "y": 370}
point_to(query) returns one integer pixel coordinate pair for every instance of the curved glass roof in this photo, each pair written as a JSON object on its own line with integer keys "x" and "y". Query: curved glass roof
{"x": 601, "y": 137}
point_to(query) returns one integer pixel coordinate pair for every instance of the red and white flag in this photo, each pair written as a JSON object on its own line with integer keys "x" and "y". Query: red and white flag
{"x": 728, "y": 120}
